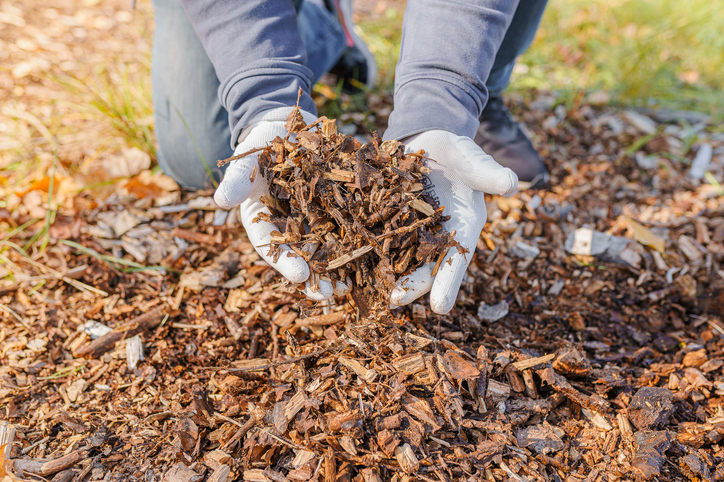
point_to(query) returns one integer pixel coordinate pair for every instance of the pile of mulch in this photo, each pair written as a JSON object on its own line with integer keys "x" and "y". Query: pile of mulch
{"x": 561, "y": 361}
{"x": 357, "y": 214}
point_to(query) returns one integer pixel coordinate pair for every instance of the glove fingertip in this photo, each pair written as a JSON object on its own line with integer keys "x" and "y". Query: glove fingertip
{"x": 295, "y": 270}
{"x": 497, "y": 180}
{"x": 512, "y": 182}
{"x": 448, "y": 281}
{"x": 324, "y": 292}
{"x": 442, "y": 305}
{"x": 397, "y": 296}
{"x": 221, "y": 199}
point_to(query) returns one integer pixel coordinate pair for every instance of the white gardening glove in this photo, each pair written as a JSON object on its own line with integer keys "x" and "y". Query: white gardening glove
{"x": 461, "y": 175}
{"x": 237, "y": 189}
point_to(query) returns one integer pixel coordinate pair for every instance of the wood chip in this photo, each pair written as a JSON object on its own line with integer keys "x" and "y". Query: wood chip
{"x": 365, "y": 374}
{"x": 7, "y": 437}
{"x": 410, "y": 364}
{"x": 134, "y": 351}
{"x": 322, "y": 320}
{"x": 346, "y": 258}
{"x": 406, "y": 458}
{"x": 533, "y": 362}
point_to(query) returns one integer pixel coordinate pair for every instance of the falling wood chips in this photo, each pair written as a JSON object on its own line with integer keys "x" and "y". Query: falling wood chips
{"x": 353, "y": 212}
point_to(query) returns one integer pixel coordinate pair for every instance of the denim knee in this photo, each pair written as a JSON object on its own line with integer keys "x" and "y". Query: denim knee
{"x": 192, "y": 127}
{"x": 190, "y": 162}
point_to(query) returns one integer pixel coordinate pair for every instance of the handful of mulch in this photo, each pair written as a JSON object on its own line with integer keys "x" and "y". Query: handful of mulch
{"x": 354, "y": 212}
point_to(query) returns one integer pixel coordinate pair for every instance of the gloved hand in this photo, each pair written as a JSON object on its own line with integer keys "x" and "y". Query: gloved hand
{"x": 461, "y": 175}
{"x": 237, "y": 189}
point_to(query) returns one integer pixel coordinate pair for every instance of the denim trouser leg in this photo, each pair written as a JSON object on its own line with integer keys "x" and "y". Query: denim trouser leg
{"x": 323, "y": 38}
{"x": 191, "y": 125}
{"x": 517, "y": 39}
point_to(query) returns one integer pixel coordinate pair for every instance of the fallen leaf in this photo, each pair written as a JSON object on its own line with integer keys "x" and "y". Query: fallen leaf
{"x": 143, "y": 190}
{"x": 187, "y": 432}
{"x": 42, "y": 184}
{"x": 2, "y": 460}
{"x": 646, "y": 237}
{"x": 126, "y": 162}
{"x": 6, "y": 474}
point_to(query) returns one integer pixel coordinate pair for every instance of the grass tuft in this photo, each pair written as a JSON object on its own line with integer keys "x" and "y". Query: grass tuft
{"x": 119, "y": 98}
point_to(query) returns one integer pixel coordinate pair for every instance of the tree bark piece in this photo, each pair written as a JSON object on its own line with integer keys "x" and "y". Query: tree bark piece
{"x": 7, "y": 437}
{"x": 221, "y": 474}
{"x": 64, "y": 476}
{"x": 45, "y": 468}
{"x": 322, "y": 320}
{"x": 180, "y": 473}
{"x": 410, "y": 364}
{"x": 134, "y": 351}
{"x": 107, "y": 342}
{"x": 406, "y": 458}
{"x": 560, "y": 384}
{"x": 533, "y": 362}
{"x": 194, "y": 236}
{"x": 651, "y": 407}
{"x": 330, "y": 466}
{"x": 364, "y": 373}
{"x": 371, "y": 475}
{"x": 649, "y": 456}
{"x": 256, "y": 416}
{"x": 346, "y": 258}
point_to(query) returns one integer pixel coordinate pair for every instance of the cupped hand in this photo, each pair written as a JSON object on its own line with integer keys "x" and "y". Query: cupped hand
{"x": 461, "y": 176}
{"x": 243, "y": 187}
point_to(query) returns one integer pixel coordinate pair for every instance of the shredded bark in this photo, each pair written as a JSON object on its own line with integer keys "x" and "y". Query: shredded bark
{"x": 355, "y": 212}
{"x": 555, "y": 364}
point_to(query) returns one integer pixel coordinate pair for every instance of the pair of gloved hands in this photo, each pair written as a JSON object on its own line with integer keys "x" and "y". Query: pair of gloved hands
{"x": 461, "y": 175}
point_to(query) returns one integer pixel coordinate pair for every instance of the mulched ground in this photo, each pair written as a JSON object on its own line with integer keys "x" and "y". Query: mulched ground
{"x": 552, "y": 366}
{"x": 591, "y": 354}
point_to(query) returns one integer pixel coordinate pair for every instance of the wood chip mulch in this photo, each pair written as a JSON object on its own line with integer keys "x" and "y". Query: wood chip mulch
{"x": 150, "y": 342}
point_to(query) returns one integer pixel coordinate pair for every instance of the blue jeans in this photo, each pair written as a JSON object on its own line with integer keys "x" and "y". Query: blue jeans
{"x": 191, "y": 125}
{"x": 517, "y": 39}
{"x": 192, "y": 128}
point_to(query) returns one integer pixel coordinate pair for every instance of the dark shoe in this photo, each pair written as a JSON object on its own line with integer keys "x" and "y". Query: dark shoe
{"x": 356, "y": 67}
{"x": 353, "y": 69}
{"x": 501, "y": 137}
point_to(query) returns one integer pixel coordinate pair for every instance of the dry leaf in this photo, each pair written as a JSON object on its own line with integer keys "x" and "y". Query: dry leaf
{"x": 2, "y": 460}
{"x": 646, "y": 237}
{"x": 42, "y": 184}
{"x": 458, "y": 367}
{"x": 126, "y": 162}
{"x": 143, "y": 190}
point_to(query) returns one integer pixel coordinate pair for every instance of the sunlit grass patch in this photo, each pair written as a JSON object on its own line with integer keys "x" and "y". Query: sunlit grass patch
{"x": 662, "y": 53}
{"x": 119, "y": 98}
{"x": 383, "y": 36}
